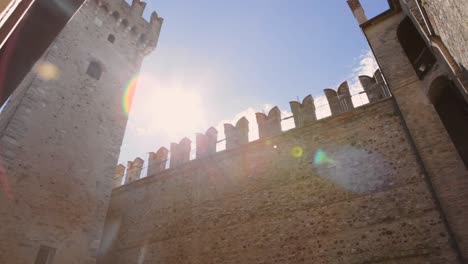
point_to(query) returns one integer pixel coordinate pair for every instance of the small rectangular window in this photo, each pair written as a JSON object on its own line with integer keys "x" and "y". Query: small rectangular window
{"x": 45, "y": 255}
{"x": 94, "y": 70}
{"x": 111, "y": 38}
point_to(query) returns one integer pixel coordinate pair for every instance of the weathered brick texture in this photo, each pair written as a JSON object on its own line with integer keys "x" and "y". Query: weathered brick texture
{"x": 355, "y": 193}
{"x": 449, "y": 19}
{"x": 444, "y": 26}
{"x": 445, "y": 169}
{"x": 60, "y": 137}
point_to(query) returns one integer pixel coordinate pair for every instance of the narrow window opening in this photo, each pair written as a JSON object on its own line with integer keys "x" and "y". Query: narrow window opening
{"x": 453, "y": 112}
{"x": 134, "y": 31}
{"x": 415, "y": 48}
{"x": 142, "y": 38}
{"x": 115, "y": 15}
{"x": 124, "y": 23}
{"x": 111, "y": 38}
{"x": 94, "y": 70}
{"x": 45, "y": 255}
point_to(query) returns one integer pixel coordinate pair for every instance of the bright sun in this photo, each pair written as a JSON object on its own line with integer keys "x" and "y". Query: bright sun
{"x": 167, "y": 108}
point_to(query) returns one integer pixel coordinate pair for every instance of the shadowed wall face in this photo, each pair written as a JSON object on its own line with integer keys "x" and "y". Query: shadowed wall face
{"x": 453, "y": 111}
{"x": 346, "y": 189}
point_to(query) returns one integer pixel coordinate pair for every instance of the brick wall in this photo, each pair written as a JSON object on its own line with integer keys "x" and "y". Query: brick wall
{"x": 445, "y": 169}
{"x": 345, "y": 189}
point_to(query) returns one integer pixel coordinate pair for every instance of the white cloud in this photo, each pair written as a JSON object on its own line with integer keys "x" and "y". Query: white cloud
{"x": 322, "y": 109}
{"x": 367, "y": 66}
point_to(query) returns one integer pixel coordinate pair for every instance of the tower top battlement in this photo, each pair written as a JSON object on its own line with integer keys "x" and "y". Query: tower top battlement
{"x": 128, "y": 19}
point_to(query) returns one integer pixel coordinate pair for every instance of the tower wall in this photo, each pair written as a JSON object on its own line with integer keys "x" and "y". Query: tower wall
{"x": 60, "y": 135}
{"x": 448, "y": 21}
{"x": 345, "y": 189}
{"x": 444, "y": 167}
{"x": 25, "y": 22}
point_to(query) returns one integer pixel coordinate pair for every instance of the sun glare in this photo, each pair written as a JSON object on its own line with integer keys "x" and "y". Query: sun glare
{"x": 167, "y": 108}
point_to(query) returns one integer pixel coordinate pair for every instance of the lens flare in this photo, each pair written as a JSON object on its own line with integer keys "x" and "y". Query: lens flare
{"x": 143, "y": 251}
{"x": 321, "y": 158}
{"x": 297, "y": 152}
{"x": 353, "y": 169}
{"x": 129, "y": 93}
{"x": 47, "y": 71}
{"x": 110, "y": 234}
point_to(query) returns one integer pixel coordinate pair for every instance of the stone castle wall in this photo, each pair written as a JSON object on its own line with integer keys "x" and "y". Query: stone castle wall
{"x": 443, "y": 25}
{"x": 60, "y": 135}
{"x": 345, "y": 189}
{"x": 443, "y": 165}
{"x": 449, "y": 19}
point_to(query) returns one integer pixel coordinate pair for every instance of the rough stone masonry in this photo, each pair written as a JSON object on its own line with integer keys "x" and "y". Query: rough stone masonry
{"x": 60, "y": 135}
{"x": 356, "y": 195}
{"x": 382, "y": 183}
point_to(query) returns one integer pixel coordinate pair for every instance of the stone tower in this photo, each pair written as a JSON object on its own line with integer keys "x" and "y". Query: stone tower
{"x": 426, "y": 74}
{"x": 61, "y": 132}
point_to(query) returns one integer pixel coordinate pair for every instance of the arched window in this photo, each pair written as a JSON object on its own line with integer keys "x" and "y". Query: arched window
{"x": 111, "y": 38}
{"x": 94, "y": 70}
{"x": 415, "y": 48}
{"x": 453, "y": 111}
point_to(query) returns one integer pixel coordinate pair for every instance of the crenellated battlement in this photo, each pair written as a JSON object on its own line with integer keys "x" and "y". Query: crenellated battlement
{"x": 238, "y": 134}
{"x": 180, "y": 152}
{"x": 269, "y": 125}
{"x": 372, "y": 86}
{"x": 206, "y": 143}
{"x": 304, "y": 113}
{"x": 126, "y": 22}
{"x": 339, "y": 100}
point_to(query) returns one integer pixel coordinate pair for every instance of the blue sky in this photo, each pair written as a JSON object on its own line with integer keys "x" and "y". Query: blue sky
{"x": 224, "y": 58}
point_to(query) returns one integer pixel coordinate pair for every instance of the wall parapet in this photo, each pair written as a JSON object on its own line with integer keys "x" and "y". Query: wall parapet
{"x": 238, "y": 134}
{"x": 303, "y": 113}
{"x": 269, "y": 125}
{"x": 374, "y": 87}
{"x": 128, "y": 21}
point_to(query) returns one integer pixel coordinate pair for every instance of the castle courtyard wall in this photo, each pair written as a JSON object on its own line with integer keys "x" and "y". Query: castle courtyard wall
{"x": 345, "y": 189}
{"x": 444, "y": 167}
